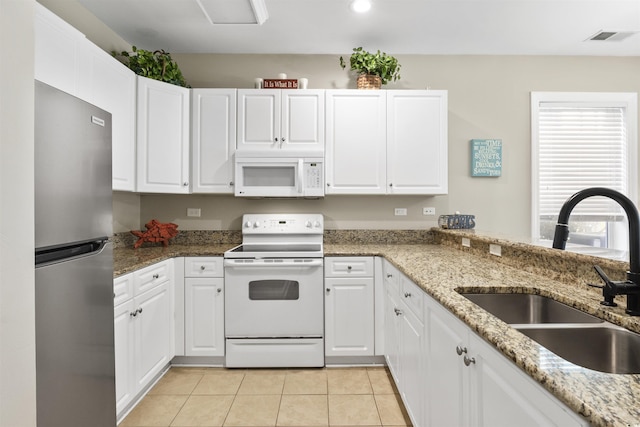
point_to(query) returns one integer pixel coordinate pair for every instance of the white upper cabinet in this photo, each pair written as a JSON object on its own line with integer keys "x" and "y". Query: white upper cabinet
{"x": 162, "y": 137}
{"x": 417, "y": 141}
{"x": 271, "y": 121}
{"x": 386, "y": 142}
{"x": 57, "y": 51}
{"x": 66, "y": 60}
{"x": 355, "y": 157}
{"x": 110, "y": 85}
{"x": 213, "y": 140}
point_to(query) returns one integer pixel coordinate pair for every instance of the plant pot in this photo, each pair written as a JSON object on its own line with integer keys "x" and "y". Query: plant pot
{"x": 369, "y": 81}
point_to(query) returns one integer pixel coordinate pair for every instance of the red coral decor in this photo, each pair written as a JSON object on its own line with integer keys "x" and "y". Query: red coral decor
{"x": 156, "y": 232}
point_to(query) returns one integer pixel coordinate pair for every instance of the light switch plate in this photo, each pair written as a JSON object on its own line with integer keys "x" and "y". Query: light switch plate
{"x": 400, "y": 211}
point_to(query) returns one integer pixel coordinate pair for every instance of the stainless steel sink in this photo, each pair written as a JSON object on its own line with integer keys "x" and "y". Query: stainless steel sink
{"x": 606, "y": 349}
{"x": 529, "y": 309}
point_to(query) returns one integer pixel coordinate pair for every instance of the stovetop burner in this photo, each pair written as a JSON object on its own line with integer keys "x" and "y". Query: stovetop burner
{"x": 280, "y": 236}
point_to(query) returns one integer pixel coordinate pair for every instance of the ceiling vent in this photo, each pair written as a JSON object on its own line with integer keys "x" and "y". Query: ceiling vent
{"x": 234, "y": 11}
{"x": 611, "y": 36}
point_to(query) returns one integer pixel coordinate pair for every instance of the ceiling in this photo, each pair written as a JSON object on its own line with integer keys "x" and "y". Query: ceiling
{"x": 451, "y": 27}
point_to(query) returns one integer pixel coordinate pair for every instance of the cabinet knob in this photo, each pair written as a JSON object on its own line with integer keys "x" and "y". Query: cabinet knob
{"x": 469, "y": 360}
{"x": 461, "y": 350}
{"x": 219, "y": 290}
{"x": 185, "y": 184}
{"x": 349, "y": 268}
{"x": 275, "y": 139}
{"x": 390, "y": 185}
{"x": 133, "y": 313}
{"x": 328, "y": 184}
{"x": 284, "y": 139}
{"x": 389, "y": 275}
{"x": 398, "y": 312}
{"x": 231, "y": 184}
{"x": 328, "y": 290}
{"x": 202, "y": 267}
{"x": 407, "y": 294}
{"x": 155, "y": 276}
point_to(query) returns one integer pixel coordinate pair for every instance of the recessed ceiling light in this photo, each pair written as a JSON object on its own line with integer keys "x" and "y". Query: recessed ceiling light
{"x": 361, "y": 6}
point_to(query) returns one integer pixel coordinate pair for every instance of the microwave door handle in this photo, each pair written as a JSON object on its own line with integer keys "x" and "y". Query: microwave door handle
{"x": 300, "y": 167}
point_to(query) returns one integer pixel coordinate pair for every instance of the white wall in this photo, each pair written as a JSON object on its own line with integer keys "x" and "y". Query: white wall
{"x": 488, "y": 98}
{"x": 17, "y": 314}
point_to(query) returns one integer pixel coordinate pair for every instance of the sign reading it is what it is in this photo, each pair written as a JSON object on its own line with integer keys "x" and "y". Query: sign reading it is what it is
{"x": 486, "y": 157}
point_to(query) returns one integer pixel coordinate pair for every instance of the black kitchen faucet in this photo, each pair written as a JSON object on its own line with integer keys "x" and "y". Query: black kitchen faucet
{"x": 629, "y": 287}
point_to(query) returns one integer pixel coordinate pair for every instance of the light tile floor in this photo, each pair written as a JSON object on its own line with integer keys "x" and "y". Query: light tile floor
{"x": 271, "y": 397}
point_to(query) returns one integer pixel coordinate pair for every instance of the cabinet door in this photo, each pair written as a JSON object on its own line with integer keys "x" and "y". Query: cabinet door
{"x": 417, "y": 142}
{"x": 447, "y": 385}
{"x": 213, "y": 115}
{"x": 349, "y": 323}
{"x": 259, "y": 119}
{"x": 163, "y": 137}
{"x": 153, "y": 330}
{"x": 411, "y": 363}
{"x": 302, "y": 124}
{"x": 57, "y": 50}
{"x": 204, "y": 317}
{"x": 124, "y": 347}
{"x": 111, "y": 86}
{"x": 392, "y": 334}
{"x": 355, "y": 158}
{"x": 503, "y": 396}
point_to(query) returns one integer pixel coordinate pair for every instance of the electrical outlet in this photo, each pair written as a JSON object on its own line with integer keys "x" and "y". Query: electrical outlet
{"x": 400, "y": 211}
{"x": 195, "y": 212}
{"x": 495, "y": 249}
{"x": 466, "y": 242}
{"x": 428, "y": 211}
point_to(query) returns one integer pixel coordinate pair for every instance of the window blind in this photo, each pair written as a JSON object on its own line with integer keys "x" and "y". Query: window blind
{"x": 581, "y": 147}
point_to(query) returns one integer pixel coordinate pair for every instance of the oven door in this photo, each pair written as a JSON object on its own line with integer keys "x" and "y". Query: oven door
{"x": 274, "y": 298}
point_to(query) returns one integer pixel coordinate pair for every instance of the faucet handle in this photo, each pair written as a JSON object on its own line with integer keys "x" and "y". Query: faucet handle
{"x": 608, "y": 290}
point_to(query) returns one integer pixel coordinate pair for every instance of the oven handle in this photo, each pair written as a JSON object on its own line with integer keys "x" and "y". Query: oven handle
{"x": 273, "y": 263}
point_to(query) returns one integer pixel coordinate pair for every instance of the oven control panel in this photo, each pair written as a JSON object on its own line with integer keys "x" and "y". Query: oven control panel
{"x": 282, "y": 224}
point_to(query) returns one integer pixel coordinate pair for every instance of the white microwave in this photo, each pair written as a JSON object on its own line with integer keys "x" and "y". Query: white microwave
{"x": 279, "y": 177}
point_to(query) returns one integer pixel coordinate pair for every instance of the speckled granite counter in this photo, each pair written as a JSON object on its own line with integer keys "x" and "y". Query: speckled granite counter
{"x": 442, "y": 270}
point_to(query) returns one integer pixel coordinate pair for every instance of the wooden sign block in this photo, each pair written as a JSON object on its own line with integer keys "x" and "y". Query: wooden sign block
{"x": 280, "y": 84}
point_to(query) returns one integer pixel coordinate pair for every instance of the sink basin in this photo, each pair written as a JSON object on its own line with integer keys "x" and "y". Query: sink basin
{"x": 605, "y": 349}
{"x": 529, "y": 309}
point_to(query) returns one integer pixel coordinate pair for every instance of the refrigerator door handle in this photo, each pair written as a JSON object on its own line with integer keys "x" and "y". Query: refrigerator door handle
{"x": 48, "y": 256}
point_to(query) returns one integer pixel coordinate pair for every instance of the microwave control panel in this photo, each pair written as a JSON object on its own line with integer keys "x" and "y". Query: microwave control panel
{"x": 313, "y": 174}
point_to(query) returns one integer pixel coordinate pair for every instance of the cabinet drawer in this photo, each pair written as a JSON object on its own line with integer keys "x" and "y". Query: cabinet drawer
{"x": 122, "y": 289}
{"x": 203, "y": 267}
{"x": 348, "y": 267}
{"x": 152, "y": 276}
{"x": 412, "y": 296}
{"x": 391, "y": 276}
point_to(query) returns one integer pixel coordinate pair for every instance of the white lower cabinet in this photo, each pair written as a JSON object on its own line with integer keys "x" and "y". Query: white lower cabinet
{"x": 448, "y": 376}
{"x": 204, "y": 306}
{"x": 405, "y": 337}
{"x": 143, "y": 334}
{"x": 349, "y": 306}
{"x": 469, "y": 383}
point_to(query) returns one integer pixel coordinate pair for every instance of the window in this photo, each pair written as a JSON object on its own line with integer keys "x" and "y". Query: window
{"x": 582, "y": 140}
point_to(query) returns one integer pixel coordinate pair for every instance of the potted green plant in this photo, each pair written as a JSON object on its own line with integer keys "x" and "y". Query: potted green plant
{"x": 156, "y": 65}
{"x": 374, "y": 69}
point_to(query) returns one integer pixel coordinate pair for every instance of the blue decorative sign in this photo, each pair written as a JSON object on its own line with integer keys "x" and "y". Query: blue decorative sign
{"x": 486, "y": 157}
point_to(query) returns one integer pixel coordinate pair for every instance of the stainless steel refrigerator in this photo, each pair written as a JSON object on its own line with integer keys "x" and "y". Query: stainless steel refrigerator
{"x": 75, "y": 372}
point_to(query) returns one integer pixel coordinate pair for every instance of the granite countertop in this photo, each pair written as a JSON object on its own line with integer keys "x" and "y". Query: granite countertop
{"x": 441, "y": 271}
